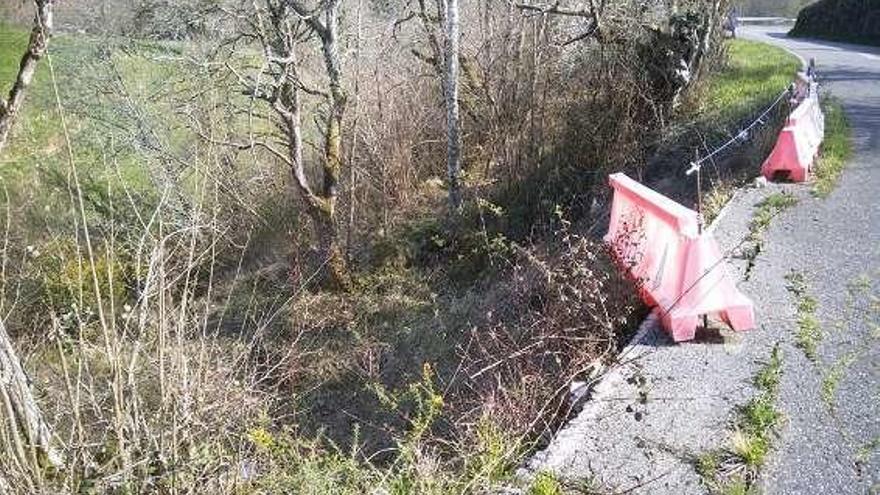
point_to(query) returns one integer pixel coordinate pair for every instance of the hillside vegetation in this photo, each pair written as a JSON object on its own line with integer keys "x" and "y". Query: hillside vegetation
{"x": 771, "y": 8}
{"x": 842, "y": 20}
{"x": 163, "y": 276}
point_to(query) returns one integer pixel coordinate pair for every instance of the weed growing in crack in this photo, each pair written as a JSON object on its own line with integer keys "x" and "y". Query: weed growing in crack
{"x": 832, "y": 379}
{"x": 866, "y": 450}
{"x": 809, "y": 331}
{"x": 734, "y": 469}
{"x": 749, "y": 449}
{"x": 716, "y": 200}
{"x": 707, "y": 464}
{"x": 549, "y": 483}
{"x": 767, "y": 209}
{"x": 760, "y": 414}
{"x": 764, "y": 214}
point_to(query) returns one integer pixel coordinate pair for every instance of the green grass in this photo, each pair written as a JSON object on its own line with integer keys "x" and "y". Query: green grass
{"x": 545, "y": 484}
{"x": 865, "y": 451}
{"x": 756, "y": 73}
{"x": 736, "y": 485}
{"x": 716, "y": 199}
{"x": 707, "y": 465}
{"x": 759, "y": 416}
{"x": 837, "y": 148}
{"x": 112, "y": 130}
{"x": 12, "y": 44}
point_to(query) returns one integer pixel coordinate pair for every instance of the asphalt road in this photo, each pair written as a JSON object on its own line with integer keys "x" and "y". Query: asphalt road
{"x": 663, "y": 405}
{"x": 836, "y": 243}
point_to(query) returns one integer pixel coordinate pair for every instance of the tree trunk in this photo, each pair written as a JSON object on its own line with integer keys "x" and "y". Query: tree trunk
{"x": 453, "y": 123}
{"x": 21, "y": 410}
{"x": 325, "y": 217}
{"x": 335, "y": 267}
{"x": 37, "y": 45}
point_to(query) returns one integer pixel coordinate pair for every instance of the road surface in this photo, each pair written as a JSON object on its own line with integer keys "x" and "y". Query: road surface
{"x": 664, "y": 405}
{"x": 836, "y": 243}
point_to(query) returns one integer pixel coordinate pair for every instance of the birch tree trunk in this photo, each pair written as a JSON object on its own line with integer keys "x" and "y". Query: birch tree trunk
{"x": 453, "y": 122}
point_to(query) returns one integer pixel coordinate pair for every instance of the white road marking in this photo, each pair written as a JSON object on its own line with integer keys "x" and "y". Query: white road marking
{"x": 869, "y": 56}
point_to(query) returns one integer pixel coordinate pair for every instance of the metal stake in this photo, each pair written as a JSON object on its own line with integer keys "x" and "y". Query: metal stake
{"x": 700, "y": 211}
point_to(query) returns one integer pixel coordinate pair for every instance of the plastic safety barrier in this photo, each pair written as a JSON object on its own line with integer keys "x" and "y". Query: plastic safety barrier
{"x": 798, "y": 145}
{"x": 678, "y": 269}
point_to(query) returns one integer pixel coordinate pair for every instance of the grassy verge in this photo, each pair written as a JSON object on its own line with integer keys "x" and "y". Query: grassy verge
{"x": 734, "y": 469}
{"x": 754, "y": 76}
{"x": 837, "y": 148}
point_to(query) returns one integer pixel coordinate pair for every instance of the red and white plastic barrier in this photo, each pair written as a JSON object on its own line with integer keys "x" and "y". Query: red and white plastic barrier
{"x": 679, "y": 270}
{"x": 798, "y": 145}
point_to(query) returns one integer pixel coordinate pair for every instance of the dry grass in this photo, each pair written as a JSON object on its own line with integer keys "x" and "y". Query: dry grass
{"x": 173, "y": 332}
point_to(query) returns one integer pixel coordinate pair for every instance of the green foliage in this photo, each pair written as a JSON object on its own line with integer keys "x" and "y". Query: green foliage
{"x": 707, "y": 465}
{"x": 760, "y": 414}
{"x": 767, "y": 379}
{"x": 65, "y": 276}
{"x": 293, "y": 464}
{"x": 750, "y": 449}
{"x": 495, "y": 452}
{"x": 13, "y": 42}
{"x": 469, "y": 250}
{"x": 715, "y": 200}
{"x": 759, "y": 417}
{"x": 736, "y": 485}
{"x": 428, "y": 404}
{"x": 837, "y": 148}
{"x": 771, "y": 8}
{"x": 856, "y": 21}
{"x": 545, "y": 483}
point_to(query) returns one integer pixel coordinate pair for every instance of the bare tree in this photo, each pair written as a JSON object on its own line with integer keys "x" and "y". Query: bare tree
{"x": 453, "y": 123}
{"x": 31, "y": 438}
{"x": 284, "y": 29}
